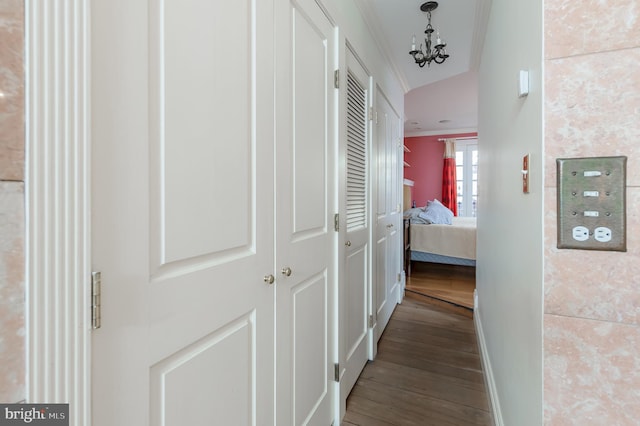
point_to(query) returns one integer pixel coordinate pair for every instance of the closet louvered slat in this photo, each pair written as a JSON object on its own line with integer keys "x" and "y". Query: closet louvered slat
{"x": 356, "y": 154}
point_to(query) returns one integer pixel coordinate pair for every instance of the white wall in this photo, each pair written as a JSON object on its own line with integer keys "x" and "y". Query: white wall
{"x": 510, "y": 223}
{"x": 352, "y": 27}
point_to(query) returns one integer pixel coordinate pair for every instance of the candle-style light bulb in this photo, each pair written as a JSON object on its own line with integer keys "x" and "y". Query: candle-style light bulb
{"x": 413, "y": 43}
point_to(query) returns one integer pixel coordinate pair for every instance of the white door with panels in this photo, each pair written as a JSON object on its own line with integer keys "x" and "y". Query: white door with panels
{"x": 183, "y": 212}
{"x": 305, "y": 202}
{"x": 388, "y": 235}
{"x": 354, "y": 234}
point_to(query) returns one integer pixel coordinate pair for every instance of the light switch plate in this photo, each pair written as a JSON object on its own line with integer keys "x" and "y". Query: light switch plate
{"x": 523, "y": 83}
{"x": 592, "y": 197}
{"x": 525, "y": 173}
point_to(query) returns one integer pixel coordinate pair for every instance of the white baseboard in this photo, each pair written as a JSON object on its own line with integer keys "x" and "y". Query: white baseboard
{"x": 492, "y": 391}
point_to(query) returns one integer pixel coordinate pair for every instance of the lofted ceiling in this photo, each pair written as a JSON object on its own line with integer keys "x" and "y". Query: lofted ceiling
{"x": 441, "y": 98}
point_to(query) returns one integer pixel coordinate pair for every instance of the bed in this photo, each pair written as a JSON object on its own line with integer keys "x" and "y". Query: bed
{"x": 453, "y": 244}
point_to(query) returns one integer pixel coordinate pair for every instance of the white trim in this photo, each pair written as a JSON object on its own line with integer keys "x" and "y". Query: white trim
{"x": 463, "y": 140}
{"x": 489, "y": 381}
{"x": 58, "y": 204}
{"x": 375, "y": 29}
{"x": 466, "y": 148}
{"x": 443, "y": 132}
{"x": 480, "y": 24}
{"x": 467, "y": 141}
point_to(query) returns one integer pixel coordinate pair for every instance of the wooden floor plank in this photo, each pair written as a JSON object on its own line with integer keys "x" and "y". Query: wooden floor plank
{"x": 452, "y": 389}
{"x": 449, "y": 355}
{"x": 450, "y": 283}
{"x": 427, "y": 372}
{"x": 433, "y": 370}
{"x": 435, "y": 339}
{"x": 428, "y": 409}
{"x": 353, "y": 417}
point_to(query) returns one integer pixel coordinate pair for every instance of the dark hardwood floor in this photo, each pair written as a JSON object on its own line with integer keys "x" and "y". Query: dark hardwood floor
{"x": 427, "y": 372}
{"x": 451, "y": 284}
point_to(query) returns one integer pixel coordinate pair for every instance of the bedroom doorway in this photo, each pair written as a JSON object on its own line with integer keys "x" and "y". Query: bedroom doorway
{"x": 441, "y": 274}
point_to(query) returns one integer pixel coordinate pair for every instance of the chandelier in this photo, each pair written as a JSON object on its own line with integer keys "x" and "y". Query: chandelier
{"x": 436, "y": 53}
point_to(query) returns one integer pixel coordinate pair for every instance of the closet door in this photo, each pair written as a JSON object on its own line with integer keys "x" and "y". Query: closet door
{"x": 354, "y": 246}
{"x": 305, "y": 204}
{"x": 388, "y": 247}
{"x": 183, "y": 202}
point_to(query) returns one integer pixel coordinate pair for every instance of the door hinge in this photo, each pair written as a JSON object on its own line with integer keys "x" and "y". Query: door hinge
{"x": 399, "y": 277}
{"x": 96, "y": 284}
{"x": 336, "y": 79}
{"x": 336, "y": 372}
{"x": 370, "y": 321}
{"x": 336, "y": 222}
{"x": 370, "y": 113}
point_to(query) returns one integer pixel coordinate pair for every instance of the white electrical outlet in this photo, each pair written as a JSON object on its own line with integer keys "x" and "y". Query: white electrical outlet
{"x": 602, "y": 234}
{"x": 580, "y": 233}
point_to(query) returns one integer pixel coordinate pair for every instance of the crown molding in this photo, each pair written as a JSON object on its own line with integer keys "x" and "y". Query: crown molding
{"x": 373, "y": 24}
{"x": 480, "y": 23}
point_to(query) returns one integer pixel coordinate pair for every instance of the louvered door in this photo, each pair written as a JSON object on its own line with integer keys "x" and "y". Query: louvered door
{"x": 354, "y": 235}
{"x": 356, "y": 154}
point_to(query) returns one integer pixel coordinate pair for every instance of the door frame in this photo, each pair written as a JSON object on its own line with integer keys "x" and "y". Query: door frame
{"x": 57, "y": 207}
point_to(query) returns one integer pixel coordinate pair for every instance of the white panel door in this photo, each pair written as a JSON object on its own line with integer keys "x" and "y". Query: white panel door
{"x": 397, "y": 170}
{"x": 354, "y": 247}
{"x": 182, "y": 161}
{"x": 305, "y": 151}
{"x": 388, "y": 236}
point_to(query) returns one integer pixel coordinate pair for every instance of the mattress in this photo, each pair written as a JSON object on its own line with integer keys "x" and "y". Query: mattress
{"x": 457, "y": 240}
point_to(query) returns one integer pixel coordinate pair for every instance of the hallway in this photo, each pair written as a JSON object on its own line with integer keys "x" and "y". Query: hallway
{"x": 427, "y": 372}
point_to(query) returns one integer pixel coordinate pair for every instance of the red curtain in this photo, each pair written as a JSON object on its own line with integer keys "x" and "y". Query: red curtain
{"x": 449, "y": 195}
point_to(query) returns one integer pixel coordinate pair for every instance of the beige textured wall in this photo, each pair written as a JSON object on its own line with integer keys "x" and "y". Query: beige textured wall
{"x": 592, "y": 298}
{"x": 12, "y": 324}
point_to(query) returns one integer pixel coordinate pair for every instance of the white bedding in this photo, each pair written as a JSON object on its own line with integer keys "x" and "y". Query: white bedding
{"x": 456, "y": 240}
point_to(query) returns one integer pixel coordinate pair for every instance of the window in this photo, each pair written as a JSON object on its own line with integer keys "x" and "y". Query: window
{"x": 467, "y": 177}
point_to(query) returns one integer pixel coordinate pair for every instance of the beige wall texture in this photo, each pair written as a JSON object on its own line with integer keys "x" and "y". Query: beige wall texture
{"x": 592, "y": 298}
{"x": 12, "y": 139}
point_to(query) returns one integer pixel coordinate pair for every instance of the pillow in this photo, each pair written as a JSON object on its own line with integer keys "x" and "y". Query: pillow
{"x": 419, "y": 220}
{"x": 413, "y": 213}
{"x": 437, "y": 213}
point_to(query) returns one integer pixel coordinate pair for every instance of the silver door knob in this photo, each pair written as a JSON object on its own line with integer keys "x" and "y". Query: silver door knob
{"x": 286, "y": 271}
{"x": 348, "y": 244}
{"x": 269, "y": 279}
